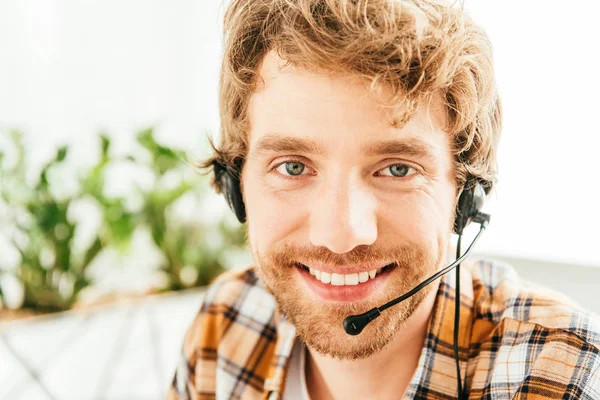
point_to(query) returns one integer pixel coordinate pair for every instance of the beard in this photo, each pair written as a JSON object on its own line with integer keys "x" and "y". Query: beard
{"x": 319, "y": 323}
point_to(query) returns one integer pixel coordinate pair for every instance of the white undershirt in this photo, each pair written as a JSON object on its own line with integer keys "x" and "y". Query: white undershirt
{"x": 295, "y": 386}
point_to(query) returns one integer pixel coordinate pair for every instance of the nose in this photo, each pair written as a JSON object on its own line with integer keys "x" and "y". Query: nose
{"x": 343, "y": 217}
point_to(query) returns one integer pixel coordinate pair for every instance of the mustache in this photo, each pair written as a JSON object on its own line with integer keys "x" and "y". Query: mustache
{"x": 290, "y": 255}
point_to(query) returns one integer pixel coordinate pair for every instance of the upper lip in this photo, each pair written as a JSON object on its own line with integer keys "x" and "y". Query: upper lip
{"x": 344, "y": 270}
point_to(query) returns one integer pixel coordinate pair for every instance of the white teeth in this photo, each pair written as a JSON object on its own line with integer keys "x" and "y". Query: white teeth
{"x": 351, "y": 279}
{"x": 337, "y": 279}
{"x": 363, "y": 277}
{"x": 342, "y": 279}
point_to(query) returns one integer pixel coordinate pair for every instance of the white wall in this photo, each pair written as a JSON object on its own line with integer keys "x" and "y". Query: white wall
{"x": 548, "y": 202}
{"x": 71, "y": 68}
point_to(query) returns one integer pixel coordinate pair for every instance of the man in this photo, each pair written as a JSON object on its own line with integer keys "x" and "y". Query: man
{"x": 351, "y": 131}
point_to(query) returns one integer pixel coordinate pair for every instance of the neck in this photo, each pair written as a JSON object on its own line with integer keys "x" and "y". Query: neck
{"x": 387, "y": 372}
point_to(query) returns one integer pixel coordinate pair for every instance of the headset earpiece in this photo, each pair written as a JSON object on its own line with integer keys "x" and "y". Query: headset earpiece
{"x": 469, "y": 205}
{"x": 229, "y": 183}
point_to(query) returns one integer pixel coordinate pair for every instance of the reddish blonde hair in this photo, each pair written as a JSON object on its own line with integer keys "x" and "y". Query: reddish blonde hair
{"x": 414, "y": 47}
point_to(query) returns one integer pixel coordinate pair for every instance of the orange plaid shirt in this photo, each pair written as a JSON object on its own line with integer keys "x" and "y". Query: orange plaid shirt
{"x": 517, "y": 341}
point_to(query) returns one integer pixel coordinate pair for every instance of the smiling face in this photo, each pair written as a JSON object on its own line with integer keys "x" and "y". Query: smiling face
{"x": 334, "y": 193}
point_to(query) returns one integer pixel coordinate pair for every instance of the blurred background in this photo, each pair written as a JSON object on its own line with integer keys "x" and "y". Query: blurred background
{"x": 108, "y": 235}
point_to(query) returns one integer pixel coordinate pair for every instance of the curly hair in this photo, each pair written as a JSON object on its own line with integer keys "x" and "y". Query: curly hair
{"x": 406, "y": 50}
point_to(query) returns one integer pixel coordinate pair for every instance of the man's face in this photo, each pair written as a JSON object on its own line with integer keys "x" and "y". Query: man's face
{"x": 330, "y": 184}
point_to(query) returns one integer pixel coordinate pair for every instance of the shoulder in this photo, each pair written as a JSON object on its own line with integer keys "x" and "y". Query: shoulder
{"x": 228, "y": 346}
{"x": 500, "y": 294}
{"x": 541, "y": 337}
{"x": 236, "y": 286}
{"x": 236, "y": 297}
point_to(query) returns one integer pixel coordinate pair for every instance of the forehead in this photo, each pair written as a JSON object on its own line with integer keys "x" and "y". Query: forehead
{"x": 333, "y": 111}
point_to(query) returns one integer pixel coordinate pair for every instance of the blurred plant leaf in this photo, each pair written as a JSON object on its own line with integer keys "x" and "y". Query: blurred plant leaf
{"x": 105, "y": 146}
{"x": 92, "y": 252}
{"x": 60, "y": 156}
{"x": 163, "y": 158}
{"x": 61, "y": 153}
{"x": 119, "y": 223}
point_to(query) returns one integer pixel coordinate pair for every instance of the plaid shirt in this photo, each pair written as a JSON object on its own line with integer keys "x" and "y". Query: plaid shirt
{"x": 517, "y": 341}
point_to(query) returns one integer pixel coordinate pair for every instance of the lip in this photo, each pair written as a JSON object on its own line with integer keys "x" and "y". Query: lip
{"x": 344, "y": 293}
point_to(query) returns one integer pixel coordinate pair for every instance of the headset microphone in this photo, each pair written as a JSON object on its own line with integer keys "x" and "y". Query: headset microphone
{"x": 353, "y": 325}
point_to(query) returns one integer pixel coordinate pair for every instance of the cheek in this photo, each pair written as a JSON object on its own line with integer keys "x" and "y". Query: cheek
{"x": 419, "y": 218}
{"x": 272, "y": 216}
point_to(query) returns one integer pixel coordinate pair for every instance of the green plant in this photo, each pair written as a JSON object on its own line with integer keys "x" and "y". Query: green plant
{"x": 192, "y": 255}
{"x": 53, "y": 273}
{"x": 50, "y": 273}
{"x": 119, "y": 223}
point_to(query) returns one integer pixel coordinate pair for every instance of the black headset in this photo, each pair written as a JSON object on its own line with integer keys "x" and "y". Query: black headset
{"x": 227, "y": 179}
{"x": 468, "y": 207}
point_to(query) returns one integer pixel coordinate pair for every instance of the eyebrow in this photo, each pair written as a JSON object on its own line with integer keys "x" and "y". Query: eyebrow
{"x": 410, "y": 146}
{"x": 276, "y": 143}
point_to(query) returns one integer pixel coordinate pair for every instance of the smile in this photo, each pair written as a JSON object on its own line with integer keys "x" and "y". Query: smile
{"x": 353, "y": 279}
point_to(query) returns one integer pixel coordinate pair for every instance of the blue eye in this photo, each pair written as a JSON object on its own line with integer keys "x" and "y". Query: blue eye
{"x": 399, "y": 170}
{"x": 293, "y": 168}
